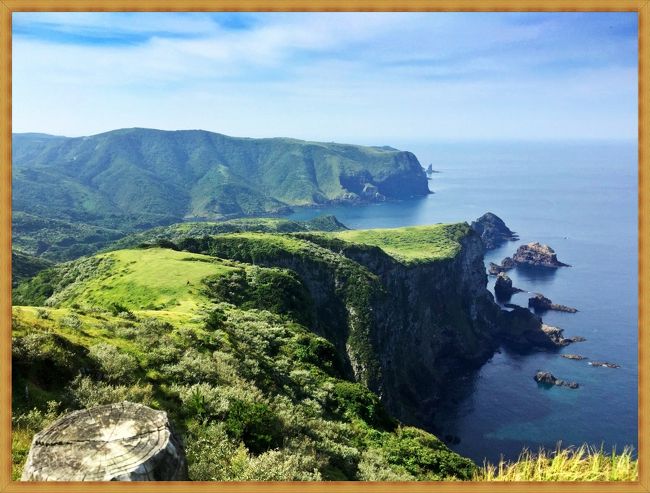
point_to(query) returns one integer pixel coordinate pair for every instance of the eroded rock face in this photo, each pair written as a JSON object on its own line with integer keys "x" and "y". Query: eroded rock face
{"x": 537, "y": 255}
{"x": 114, "y": 442}
{"x": 492, "y": 230}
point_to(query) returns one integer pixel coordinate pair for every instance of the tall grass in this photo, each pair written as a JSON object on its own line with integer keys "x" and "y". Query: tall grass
{"x": 569, "y": 464}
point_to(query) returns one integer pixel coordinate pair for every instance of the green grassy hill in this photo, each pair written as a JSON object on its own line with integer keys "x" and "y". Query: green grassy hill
{"x": 247, "y": 339}
{"x": 146, "y": 177}
{"x": 227, "y": 349}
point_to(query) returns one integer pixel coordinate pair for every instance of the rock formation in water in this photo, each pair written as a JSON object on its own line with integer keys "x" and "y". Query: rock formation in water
{"x": 576, "y": 357}
{"x": 506, "y": 264}
{"x": 537, "y": 255}
{"x": 503, "y": 288}
{"x": 114, "y": 442}
{"x": 492, "y": 230}
{"x": 548, "y": 379}
{"x": 540, "y": 303}
{"x": 525, "y": 331}
{"x": 604, "y": 364}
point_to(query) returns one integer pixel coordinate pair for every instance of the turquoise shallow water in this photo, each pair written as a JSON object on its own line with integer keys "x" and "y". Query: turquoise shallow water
{"x": 581, "y": 199}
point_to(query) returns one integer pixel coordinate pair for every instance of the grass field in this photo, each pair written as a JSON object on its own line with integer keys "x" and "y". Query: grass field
{"x": 154, "y": 279}
{"x": 412, "y": 244}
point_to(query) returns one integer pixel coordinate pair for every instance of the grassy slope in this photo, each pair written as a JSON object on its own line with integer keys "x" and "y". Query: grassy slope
{"x": 153, "y": 176}
{"x": 412, "y": 244}
{"x": 255, "y": 394}
{"x": 25, "y": 266}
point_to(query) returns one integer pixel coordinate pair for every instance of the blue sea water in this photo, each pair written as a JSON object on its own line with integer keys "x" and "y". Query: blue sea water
{"x": 581, "y": 199}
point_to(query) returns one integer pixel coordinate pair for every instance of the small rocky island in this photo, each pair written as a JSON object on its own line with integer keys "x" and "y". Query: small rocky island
{"x": 114, "y": 442}
{"x": 577, "y": 357}
{"x": 492, "y": 230}
{"x": 537, "y": 255}
{"x": 548, "y": 379}
{"x": 540, "y": 303}
{"x": 604, "y": 364}
{"x": 503, "y": 288}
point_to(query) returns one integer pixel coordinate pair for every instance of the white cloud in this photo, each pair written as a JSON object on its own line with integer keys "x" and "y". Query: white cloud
{"x": 336, "y": 76}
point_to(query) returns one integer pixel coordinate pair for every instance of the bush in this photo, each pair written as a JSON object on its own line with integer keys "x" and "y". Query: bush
{"x": 193, "y": 367}
{"x": 255, "y": 424}
{"x": 116, "y": 365}
{"x": 213, "y": 456}
{"x": 355, "y": 400}
{"x": 424, "y": 456}
{"x": 84, "y": 392}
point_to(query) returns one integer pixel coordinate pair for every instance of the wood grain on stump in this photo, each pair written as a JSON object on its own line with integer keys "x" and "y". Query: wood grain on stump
{"x": 115, "y": 442}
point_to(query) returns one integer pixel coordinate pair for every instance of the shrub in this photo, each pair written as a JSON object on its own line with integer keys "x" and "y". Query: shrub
{"x": 254, "y": 423}
{"x": 84, "y": 392}
{"x": 116, "y": 365}
{"x": 355, "y": 400}
{"x": 374, "y": 466}
{"x": 424, "y": 456}
{"x": 193, "y": 367}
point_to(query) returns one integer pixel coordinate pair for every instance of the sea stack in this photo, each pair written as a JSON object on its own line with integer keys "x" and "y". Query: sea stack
{"x": 492, "y": 230}
{"x": 537, "y": 255}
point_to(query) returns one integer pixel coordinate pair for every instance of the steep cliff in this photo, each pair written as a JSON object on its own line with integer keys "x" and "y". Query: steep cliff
{"x": 404, "y": 323}
{"x": 405, "y": 309}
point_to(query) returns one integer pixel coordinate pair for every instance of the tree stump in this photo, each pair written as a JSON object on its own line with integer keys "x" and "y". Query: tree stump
{"x": 115, "y": 442}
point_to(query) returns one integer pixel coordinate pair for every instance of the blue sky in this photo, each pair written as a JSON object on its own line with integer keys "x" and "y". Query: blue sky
{"x": 373, "y": 78}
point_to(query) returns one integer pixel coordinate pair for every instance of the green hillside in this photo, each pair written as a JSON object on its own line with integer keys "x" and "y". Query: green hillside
{"x": 25, "y": 266}
{"x": 178, "y": 231}
{"x": 136, "y": 178}
{"x": 227, "y": 349}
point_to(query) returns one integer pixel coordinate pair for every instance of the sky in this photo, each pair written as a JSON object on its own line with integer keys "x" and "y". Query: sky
{"x": 366, "y": 78}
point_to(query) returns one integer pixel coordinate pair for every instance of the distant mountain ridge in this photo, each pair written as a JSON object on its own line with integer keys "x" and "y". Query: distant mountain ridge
{"x": 137, "y": 178}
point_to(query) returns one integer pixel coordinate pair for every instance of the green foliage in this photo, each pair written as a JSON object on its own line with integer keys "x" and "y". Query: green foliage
{"x": 356, "y": 401}
{"x": 172, "y": 234}
{"x": 228, "y": 349}
{"x": 254, "y": 423}
{"x": 25, "y": 266}
{"x": 90, "y": 190}
{"x": 277, "y": 290}
{"x": 115, "y": 365}
{"x": 423, "y": 455}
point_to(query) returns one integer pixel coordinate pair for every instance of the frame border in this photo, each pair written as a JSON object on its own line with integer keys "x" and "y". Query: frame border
{"x": 642, "y": 7}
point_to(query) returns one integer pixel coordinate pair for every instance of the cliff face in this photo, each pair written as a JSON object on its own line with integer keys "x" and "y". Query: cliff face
{"x": 431, "y": 320}
{"x": 401, "y": 328}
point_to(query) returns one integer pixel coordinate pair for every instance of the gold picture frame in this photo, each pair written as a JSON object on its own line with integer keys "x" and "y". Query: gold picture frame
{"x": 7, "y": 7}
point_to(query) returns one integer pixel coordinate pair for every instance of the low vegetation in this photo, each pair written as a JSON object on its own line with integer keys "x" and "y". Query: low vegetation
{"x": 227, "y": 350}
{"x": 209, "y": 331}
{"x": 584, "y": 463}
{"x": 413, "y": 244}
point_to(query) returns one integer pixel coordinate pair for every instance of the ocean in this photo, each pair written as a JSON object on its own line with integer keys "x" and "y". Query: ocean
{"x": 581, "y": 198}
